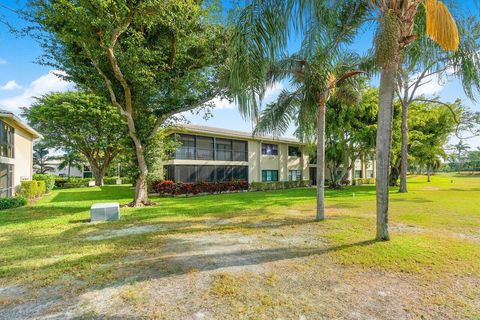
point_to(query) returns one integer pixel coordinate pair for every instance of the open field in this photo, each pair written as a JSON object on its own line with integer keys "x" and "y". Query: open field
{"x": 249, "y": 256}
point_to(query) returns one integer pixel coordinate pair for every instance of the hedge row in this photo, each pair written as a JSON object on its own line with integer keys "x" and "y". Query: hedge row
{"x": 12, "y": 202}
{"x": 48, "y": 178}
{"x": 278, "y": 185}
{"x": 32, "y": 189}
{"x": 74, "y": 182}
{"x": 113, "y": 180}
{"x": 360, "y": 181}
{"x": 168, "y": 187}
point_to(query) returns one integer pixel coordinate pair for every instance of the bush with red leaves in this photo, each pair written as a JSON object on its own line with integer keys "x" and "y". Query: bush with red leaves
{"x": 168, "y": 187}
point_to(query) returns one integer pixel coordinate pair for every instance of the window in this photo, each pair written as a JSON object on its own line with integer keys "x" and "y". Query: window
{"x": 6, "y": 140}
{"x": 186, "y": 149}
{"x": 358, "y": 174}
{"x": 6, "y": 180}
{"x": 223, "y": 173}
{"x": 295, "y": 175}
{"x": 169, "y": 172}
{"x": 240, "y": 150}
{"x": 224, "y": 149}
{"x": 269, "y": 175}
{"x": 240, "y": 173}
{"x": 205, "y": 173}
{"x": 269, "y": 149}
{"x": 185, "y": 174}
{"x": 294, "y": 151}
{"x": 204, "y": 148}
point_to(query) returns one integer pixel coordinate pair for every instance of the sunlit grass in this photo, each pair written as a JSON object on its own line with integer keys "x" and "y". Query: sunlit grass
{"x": 435, "y": 228}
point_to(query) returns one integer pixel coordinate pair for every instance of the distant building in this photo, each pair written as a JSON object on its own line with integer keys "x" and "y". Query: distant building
{"x": 16, "y": 152}
{"x": 214, "y": 154}
{"x": 77, "y": 172}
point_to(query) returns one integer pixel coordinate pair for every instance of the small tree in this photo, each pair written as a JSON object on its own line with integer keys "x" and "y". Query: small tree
{"x": 321, "y": 68}
{"x": 80, "y": 122}
{"x": 70, "y": 159}
{"x": 430, "y": 128}
{"x": 41, "y": 158}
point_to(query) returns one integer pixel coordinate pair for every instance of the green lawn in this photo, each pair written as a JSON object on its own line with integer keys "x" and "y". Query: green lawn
{"x": 435, "y": 230}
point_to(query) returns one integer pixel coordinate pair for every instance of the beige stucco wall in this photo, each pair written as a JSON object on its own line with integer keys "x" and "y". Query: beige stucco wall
{"x": 23, "y": 155}
{"x": 258, "y": 162}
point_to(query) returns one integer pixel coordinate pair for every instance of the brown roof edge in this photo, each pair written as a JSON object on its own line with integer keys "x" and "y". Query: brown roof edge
{"x": 20, "y": 123}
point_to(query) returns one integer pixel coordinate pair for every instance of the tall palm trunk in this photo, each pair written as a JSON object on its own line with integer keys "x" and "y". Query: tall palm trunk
{"x": 404, "y": 158}
{"x": 321, "y": 161}
{"x": 384, "y": 141}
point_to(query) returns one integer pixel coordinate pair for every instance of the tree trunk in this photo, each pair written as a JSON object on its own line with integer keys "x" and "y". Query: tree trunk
{"x": 68, "y": 173}
{"x": 321, "y": 161}
{"x": 98, "y": 173}
{"x": 141, "y": 190}
{"x": 404, "y": 157}
{"x": 428, "y": 173}
{"x": 384, "y": 141}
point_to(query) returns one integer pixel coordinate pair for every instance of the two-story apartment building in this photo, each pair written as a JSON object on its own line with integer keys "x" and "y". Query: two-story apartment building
{"x": 213, "y": 154}
{"x": 16, "y": 155}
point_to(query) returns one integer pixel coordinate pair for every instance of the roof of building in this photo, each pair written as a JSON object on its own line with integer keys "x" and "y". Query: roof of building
{"x": 192, "y": 128}
{"x": 20, "y": 123}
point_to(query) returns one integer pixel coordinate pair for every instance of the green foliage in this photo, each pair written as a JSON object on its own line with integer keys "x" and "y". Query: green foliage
{"x": 12, "y": 202}
{"x": 41, "y": 157}
{"x": 32, "y": 189}
{"x": 48, "y": 178}
{"x": 278, "y": 185}
{"x": 350, "y": 132}
{"x": 362, "y": 181}
{"x": 113, "y": 180}
{"x": 430, "y": 127}
{"x": 72, "y": 182}
{"x": 79, "y": 122}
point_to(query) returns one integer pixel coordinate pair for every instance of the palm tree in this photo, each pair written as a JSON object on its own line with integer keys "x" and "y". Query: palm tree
{"x": 70, "y": 159}
{"x": 320, "y": 66}
{"x": 424, "y": 59}
{"x": 395, "y": 32}
{"x": 41, "y": 157}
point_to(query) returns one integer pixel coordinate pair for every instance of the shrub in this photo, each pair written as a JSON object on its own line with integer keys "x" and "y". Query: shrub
{"x": 278, "y": 185}
{"x": 362, "y": 181}
{"x": 168, "y": 187}
{"x": 31, "y": 189}
{"x": 113, "y": 180}
{"x": 12, "y": 202}
{"x": 74, "y": 182}
{"x": 48, "y": 178}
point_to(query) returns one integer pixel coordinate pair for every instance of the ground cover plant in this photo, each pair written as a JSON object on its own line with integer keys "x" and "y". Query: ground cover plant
{"x": 246, "y": 255}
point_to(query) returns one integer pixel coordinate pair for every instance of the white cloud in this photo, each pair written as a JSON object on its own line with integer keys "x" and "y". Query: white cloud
{"x": 270, "y": 94}
{"x": 49, "y": 82}
{"x": 11, "y": 85}
{"x": 3, "y": 61}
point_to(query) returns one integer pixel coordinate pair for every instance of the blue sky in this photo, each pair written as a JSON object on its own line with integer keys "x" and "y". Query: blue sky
{"x": 21, "y": 78}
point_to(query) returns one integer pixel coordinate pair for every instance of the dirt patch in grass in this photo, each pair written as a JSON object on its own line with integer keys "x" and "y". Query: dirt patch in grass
{"x": 268, "y": 273}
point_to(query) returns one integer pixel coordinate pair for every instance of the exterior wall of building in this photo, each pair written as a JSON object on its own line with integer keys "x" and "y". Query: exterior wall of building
{"x": 256, "y": 161}
{"x": 23, "y": 161}
{"x": 74, "y": 171}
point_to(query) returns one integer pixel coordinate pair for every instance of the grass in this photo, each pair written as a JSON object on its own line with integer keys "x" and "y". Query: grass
{"x": 435, "y": 230}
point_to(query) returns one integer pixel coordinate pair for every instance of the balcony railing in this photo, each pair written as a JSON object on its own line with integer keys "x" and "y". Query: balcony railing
{"x": 191, "y": 153}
